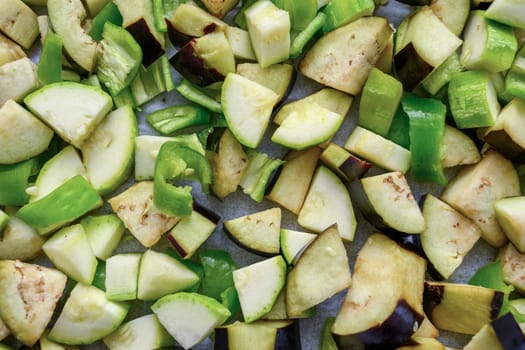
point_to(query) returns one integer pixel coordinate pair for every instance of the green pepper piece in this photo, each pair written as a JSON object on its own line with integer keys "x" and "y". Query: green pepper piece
{"x": 305, "y": 35}
{"x": 99, "y": 280}
{"x": 230, "y": 299}
{"x": 109, "y": 13}
{"x": 239, "y": 19}
{"x": 170, "y": 119}
{"x": 50, "y": 65}
{"x": 491, "y": 276}
{"x": 427, "y": 125}
{"x": 340, "y": 12}
{"x": 399, "y": 129}
{"x": 301, "y": 12}
{"x": 196, "y": 95}
{"x": 119, "y": 58}
{"x": 66, "y": 203}
{"x": 176, "y": 161}
{"x": 327, "y": 340}
{"x": 161, "y": 10}
{"x": 218, "y": 267}
{"x": 14, "y": 180}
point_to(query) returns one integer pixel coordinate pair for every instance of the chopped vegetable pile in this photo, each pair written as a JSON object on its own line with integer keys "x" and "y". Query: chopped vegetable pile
{"x": 262, "y": 174}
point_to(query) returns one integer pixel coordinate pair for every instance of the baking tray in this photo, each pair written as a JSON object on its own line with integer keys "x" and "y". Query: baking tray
{"x": 238, "y": 204}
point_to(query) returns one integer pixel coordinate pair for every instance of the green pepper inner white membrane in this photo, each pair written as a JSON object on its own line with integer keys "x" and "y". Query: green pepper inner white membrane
{"x": 275, "y": 222}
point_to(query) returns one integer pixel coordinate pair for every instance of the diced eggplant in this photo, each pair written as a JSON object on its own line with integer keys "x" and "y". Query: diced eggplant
{"x": 502, "y": 333}
{"x": 453, "y": 13}
{"x": 19, "y": 22}
{"x": 28, "y": 296}
{"x": 345, "y": 164}
{"x": 268, "y": 335}
{"x": 321, "y": 272}
{"x": 475, "y": 189}
{"x": 140, "y": 216}
{"x": 192, "y": 231}
{"x": 9, "y": 50}
{"x": 293, "y": 180}
{"x": 18, "y": 78}
{"x": 138, "y": 19}
{"x": 448, "y": 235}
{"x": 384, "y": 305}
{"x": 258, "y": 232}
{"x": 421, "y": 343}
{"x": 219, "y": 8}
{"x": 346, "y": 67}
{"x": 513, "y": 266}
{"x": 457, "y": 148}
{"x": 506, "y": 135}
{"x": 228, "y": 165}
{"x": 205, "y": 60}
{"x": 461, "y": 308}
{"x": 189, "y": 21}
{"x": 509, "y": 215}
{"x": 386, "y": 200}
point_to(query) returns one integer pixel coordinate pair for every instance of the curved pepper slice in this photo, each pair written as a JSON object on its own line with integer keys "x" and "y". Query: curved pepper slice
{"x": 170, "y": 119}
{"x": 177, "y": 162}
{"x": 426, "y": 127}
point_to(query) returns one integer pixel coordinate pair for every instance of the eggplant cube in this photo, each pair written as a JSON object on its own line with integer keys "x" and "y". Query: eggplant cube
{"x": 384, "y": 304}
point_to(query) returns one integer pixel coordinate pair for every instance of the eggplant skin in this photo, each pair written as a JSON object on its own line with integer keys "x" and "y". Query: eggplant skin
{"x": 410, "y": 68}
{"x": 509, "y": 332}
{"x": 393, "y": 332}
{"x": 192, "y": 67}
{"x": 151, "y": 48}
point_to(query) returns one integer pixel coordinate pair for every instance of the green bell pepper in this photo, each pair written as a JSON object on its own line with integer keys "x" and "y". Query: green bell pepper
{"x": 176, "y": 161}
{"x": 66, "y": 203}
{"x": 491, "y": 276}
{"x": 49, "y": 68}
{"x": 218, "y": 267}
{"x": 14, "y": 180}
{"x": 301, "y": 12}
{"x": 327, "y": 339}
{"x": 340, "y": 12}
{"x": 161, "y": 10}
{"x": 230, "y": 299}
{"x": 427, "y": 125}
{"x": 198, "y": 96}
{"x": 304, "y": 36}
{"x": 170, "y": 119}
{"x": 109, "y": 13}
{"x": 119, "y": 58}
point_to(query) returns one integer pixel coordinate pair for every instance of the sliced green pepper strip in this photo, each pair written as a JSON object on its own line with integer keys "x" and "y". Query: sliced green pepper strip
{"x": 50, "y": 65}
{"x": 491, "y": 276}
{"x": 151, "y": 82}
{"x": 170, "y": 119}
{"x": 218, "y": 267}
{"x": 161, "y": 10}
{"x": 239, "y": 19}
{"x": 327, "y": 339}
{"x": 427, "y": 125}
{"x": 399, "y": 131}
{"x": 109, "y": 13}
{"x": 230, "y": 299}
{"x": 175, "y": 161}
{"x": 14, "y": 180}
{"x": 119, "y": 58}
{"x": 194, "y": 94}
{"x": 340, "y": 12}
{"x": 301, "y": 12}
{"x": 66, "y": 203}
{"x": 305, "y": 35}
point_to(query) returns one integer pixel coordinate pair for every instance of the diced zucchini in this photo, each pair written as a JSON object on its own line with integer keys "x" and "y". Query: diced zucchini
{"x": 122, "y": 272}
